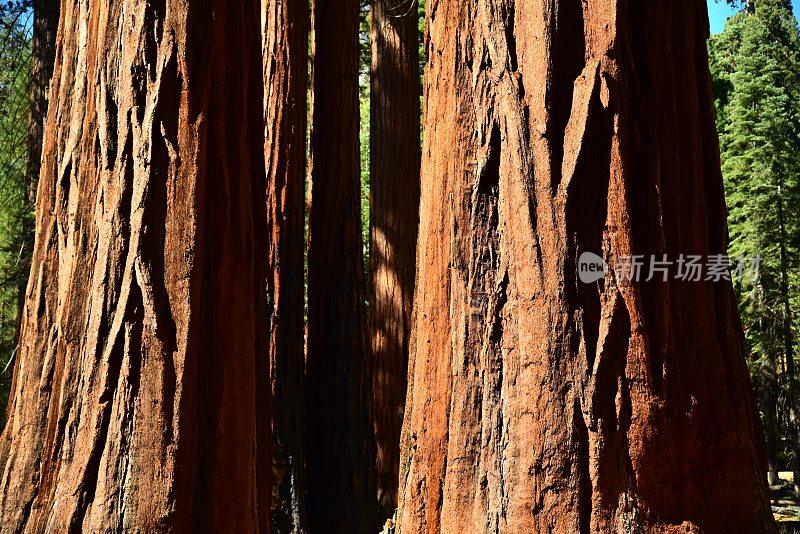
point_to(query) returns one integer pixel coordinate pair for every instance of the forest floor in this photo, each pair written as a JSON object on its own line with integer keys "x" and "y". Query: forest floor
{"x": 785, "y": 505}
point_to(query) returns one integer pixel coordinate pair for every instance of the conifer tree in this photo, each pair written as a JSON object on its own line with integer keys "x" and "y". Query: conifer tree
{"x": 756, "y": 66}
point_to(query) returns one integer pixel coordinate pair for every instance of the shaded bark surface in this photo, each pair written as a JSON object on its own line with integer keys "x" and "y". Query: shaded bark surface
{"x": 339, "y": 442}
{"x": 285, "y": 37}
{"x": 394, "y": 218}
{"x": 770, "y": 393}
{"x": 538, "y": 403}
{"x": 134, "y": 402}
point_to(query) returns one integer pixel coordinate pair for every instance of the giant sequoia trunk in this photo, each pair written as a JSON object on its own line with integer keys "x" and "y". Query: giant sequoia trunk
{"x": 286, "y": 24}
{"x": 538, "y": 403}
{"x": 340, "y": 445}
{"x": 394, "y": 208}
{"x": 134, "y": 404}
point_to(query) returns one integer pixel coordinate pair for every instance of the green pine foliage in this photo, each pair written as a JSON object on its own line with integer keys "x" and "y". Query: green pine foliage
{"x": 755, "y": 64}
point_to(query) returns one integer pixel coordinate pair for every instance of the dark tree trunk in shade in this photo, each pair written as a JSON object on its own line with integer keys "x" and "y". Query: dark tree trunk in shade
{"x": 43, "y": 52}
{"x": 770, "y": 410}
{"x": 394, "y": 217}
{"x": 339, "y": 442}
{"x": 134, "y": 404}
{"x": 793, "y": 420}
{"x": 538, "y": 403}
{"x": 286, "y": 27}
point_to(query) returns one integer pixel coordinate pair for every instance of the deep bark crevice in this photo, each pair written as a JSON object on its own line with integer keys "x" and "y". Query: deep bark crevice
{"x": 588, "y": 141}
{"x": 582, "y": 469}
{"x": 569, "y": 47}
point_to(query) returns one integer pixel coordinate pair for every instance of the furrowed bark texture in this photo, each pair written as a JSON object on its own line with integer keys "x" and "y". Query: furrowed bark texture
{"x": 394, "y": 218}
{"x": 134, "y": 403}
{"x": 538, "y": 403}
{"x": 340, "y": 445}
{"x": 286, "y": 26}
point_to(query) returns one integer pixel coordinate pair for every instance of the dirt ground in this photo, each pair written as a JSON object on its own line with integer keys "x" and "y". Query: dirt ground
{"x": 785, "y": 505}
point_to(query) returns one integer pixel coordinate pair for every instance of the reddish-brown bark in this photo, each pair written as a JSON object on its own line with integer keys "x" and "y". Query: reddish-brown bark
{"x": 394, "y": 217}
{"x": 134, "y": 404}
{"x": 286, "y": 26}
{"x": 339, "y": 442}
{"x": 538, "y": 403}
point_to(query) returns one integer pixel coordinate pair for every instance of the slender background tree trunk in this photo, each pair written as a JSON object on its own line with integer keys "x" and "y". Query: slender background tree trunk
{"x": 792, "y": 419}
{"x": 134, "y": 403}
{"x": 769, "y": 400}
{"x": 286, "y": 27}
{"x": 538, "y": 403}
{"x": 340, "y": 445}
{"x": 43, "y": 52}
{"x": 394, "y": 217}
